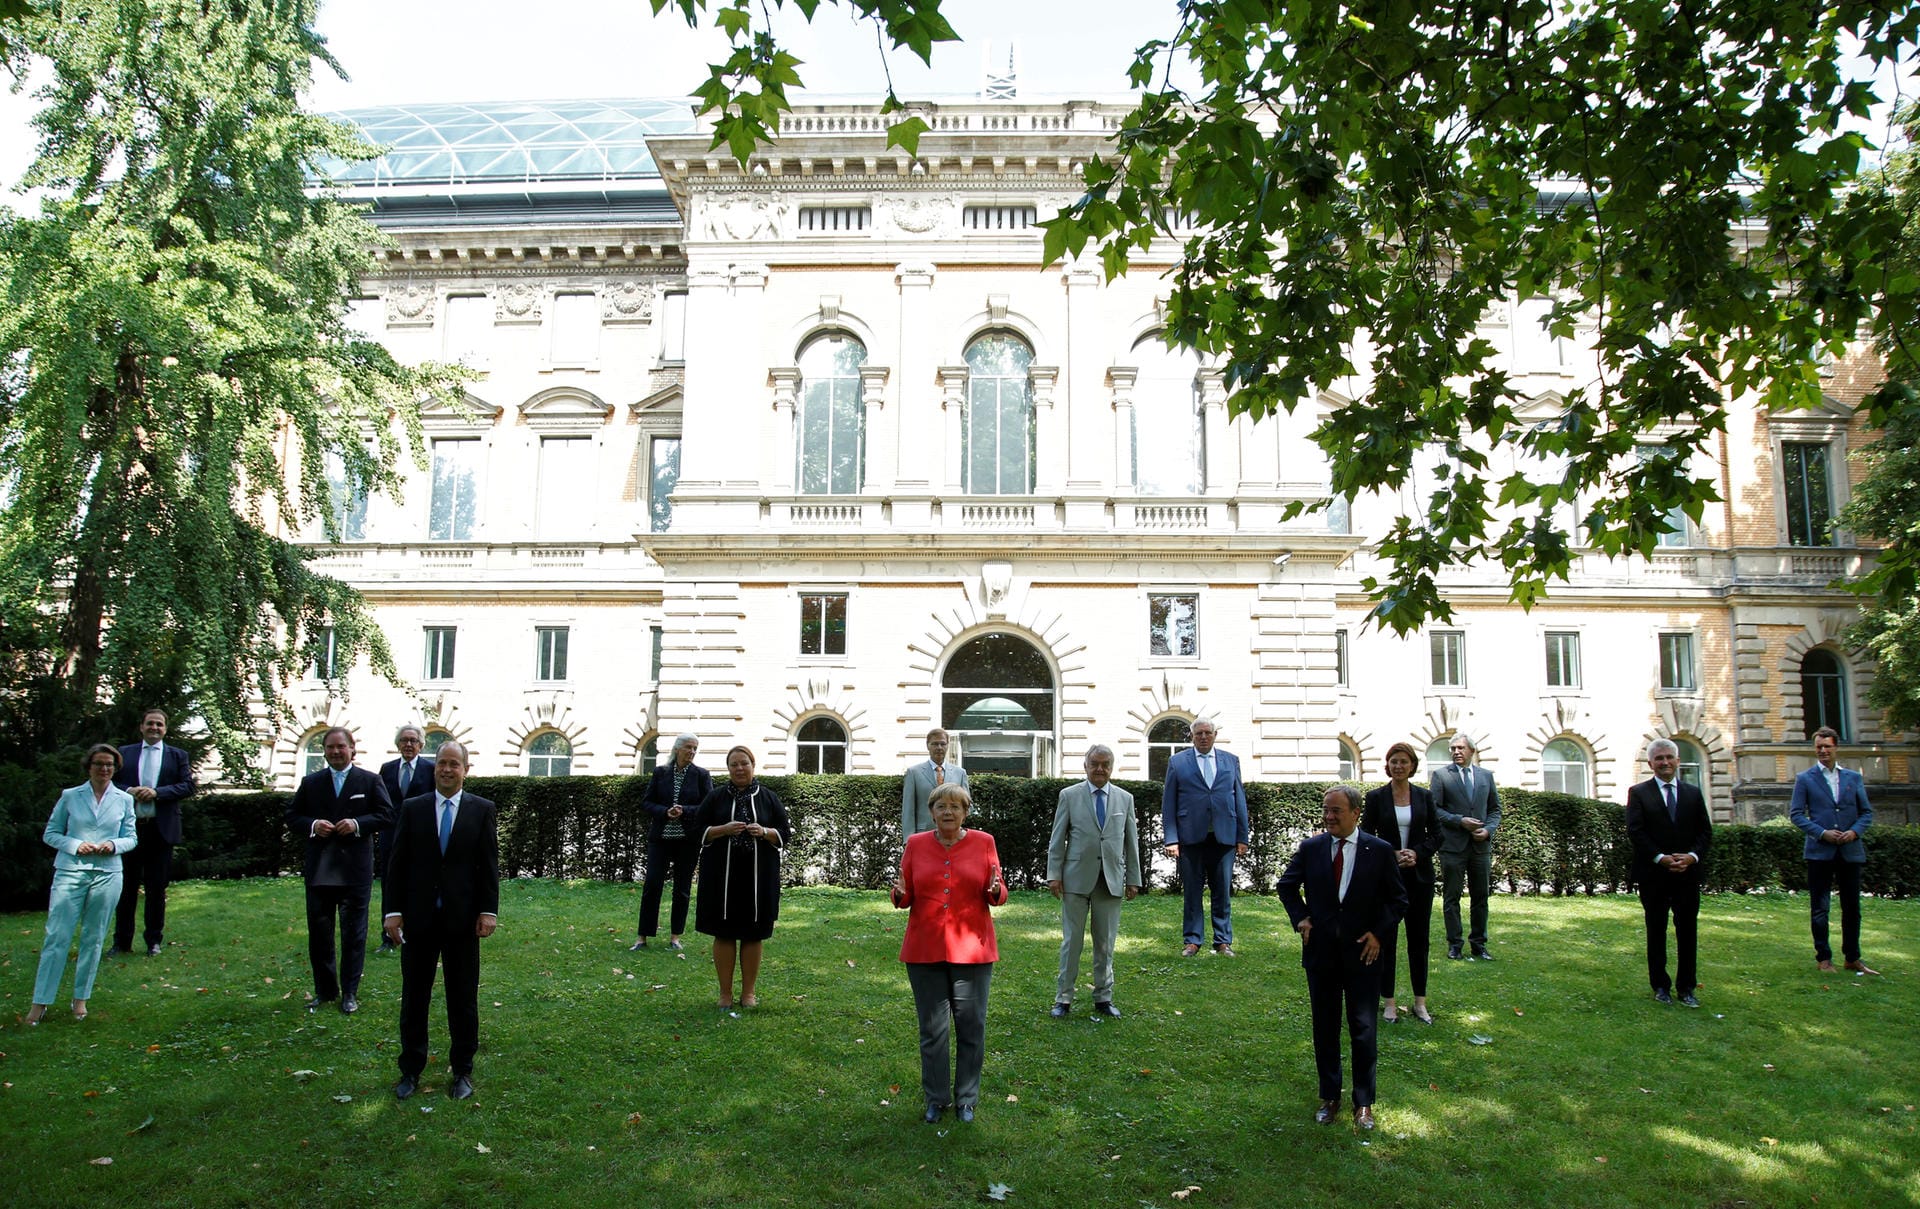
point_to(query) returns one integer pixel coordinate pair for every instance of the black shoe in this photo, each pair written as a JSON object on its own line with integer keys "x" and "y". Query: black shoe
{"x": 637, "y": 945}
{"x": 1687, "y": 1000}
{"x": 932, "y": 1115}
{"x": 1060, "y": 1011}
{"x": 965, "y": 1113}
{"x": 120, "y": 951}
{"x": 153, "y": 950}
{"x": 406, "y": 1087}
{"x": 460, "y": 1089}
{"x": 387, "y": 946}
{"x": 1481, "y": 954}
{"x": 349, "y": 1005}
{"x": 1453, "y": 951}
{"x": 1662, "y": 995}
{"x": 1106, "y": 1009}
{"x": 1328, "y": 1110}
{"x": 316, "y": 1002}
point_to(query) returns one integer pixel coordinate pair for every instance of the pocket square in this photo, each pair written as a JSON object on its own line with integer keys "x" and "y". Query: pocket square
{"x": 355, "y": 797}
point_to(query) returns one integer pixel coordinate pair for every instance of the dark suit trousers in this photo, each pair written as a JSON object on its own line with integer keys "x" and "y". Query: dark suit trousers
{"x": 1661, "y": 894}
{"x": 678, "y": 857}
{"x": 1821, "y": 875}
{"x": 1353, "y": 990}
{"x": 149, "y": 865}
{"x": 450, "y": 944}
{"x": 1475, "y": 868}
{"x": 1419, "y": 925}
{"x": 350, "y": 904}
{"x": 1207, "y": 867}
{"x": 951, "y": 1001}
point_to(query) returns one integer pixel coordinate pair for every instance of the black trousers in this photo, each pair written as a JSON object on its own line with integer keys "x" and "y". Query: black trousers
{"x": 1351, "y": 990}
{"x": 448, "y": 943}
{"x": 150, "y": 867}
{"x": 349, "y": 903}
{"x": 1821, "y": 876}
{"x": 1419, "y": 925}
{"x": 1676, "y": 894}
{"x": 678, "y": 857}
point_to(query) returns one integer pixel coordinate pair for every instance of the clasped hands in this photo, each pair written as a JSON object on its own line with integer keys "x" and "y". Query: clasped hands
{"x": 740, "y": 826}
{"x": 1368, "y": 942}
{"x": 1839, "y": 837}
{"x": 94, "y": 848}
{"x": 1678, "y": 862}
{"x": 345, "y": 827}
{"x": 396, "y": 926}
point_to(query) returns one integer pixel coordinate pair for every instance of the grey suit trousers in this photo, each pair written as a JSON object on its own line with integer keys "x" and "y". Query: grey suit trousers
{"x": 1104, "y": 906}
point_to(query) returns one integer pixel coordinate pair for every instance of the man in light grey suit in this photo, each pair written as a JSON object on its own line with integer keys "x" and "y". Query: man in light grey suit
{"x": 1093, "y": 864}
{"x": 921, "y": 780}
{"x": 1468, "y": 807}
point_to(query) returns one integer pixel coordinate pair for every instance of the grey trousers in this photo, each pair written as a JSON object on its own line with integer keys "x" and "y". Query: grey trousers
{"x": 1475, "y": 868}
{"x": 1104, "y": 906}
{"x": 951, "y": 1000}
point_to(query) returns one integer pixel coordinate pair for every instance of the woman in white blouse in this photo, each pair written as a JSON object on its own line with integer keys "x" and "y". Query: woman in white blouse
{"x": 1401, "y": 813}
{"x": 92, "y": 825}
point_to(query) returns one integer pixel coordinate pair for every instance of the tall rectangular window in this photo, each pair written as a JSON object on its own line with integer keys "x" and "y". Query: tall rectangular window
{"x": 1340, "y": 659}
{"x": 439, "y": 660}
{"x": 1448, "y": 649}
{"x": 1676, "y": 518}
{"x": 1563, "y": 659}
{"x": 823, "y": 624}
{"x": 550, "y": 652}
{"x": 1173, "y": 624}
{"x": 663, "y": 477}
{"x": 658, "y": 640}
{"x": 347, "y": 501}
{"x": 325, "y": 667}
{"x": 1676, "y": 663}
{"x": 565, "y": 504}
{"x": 673, "y": 325}
{"x": 456, "y": 490}
{"x": 469, "y": 329}
{"x": 1803, "y": 465}
{"x": 576, "y": 329}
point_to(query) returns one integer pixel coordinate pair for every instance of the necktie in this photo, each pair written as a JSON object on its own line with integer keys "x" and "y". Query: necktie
{"x": 939, "y": 774}
{"x": 446, "y": 823}
{"x": 1206, "y": 769}
{"x": 1672, "y": 812}
{"x": 406, "y": 777}
{"x": 150, "y": 766}
{"x": 1339, "y": 866}
{"x": 1100, "y": 808}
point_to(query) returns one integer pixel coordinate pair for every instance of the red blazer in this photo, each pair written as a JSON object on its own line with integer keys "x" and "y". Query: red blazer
{"x": 946, "y": 893}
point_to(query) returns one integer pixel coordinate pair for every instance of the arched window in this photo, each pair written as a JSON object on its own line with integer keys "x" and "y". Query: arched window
{"x": 997, "y": 700}
{"x": 996, "y": 440}
{"x": 1823, "y": 692}
{"x": 549, "y": 755}
{"x": 1349, "y": 761}
{"x": 1438, "y": 757}
{"x": 1164, "y": 738}
{"x": 650, "y": 752}
{"x": 1169, "y": 436}
{"x": 830, "y": 417}
{"x": 1693, "y": 763}
{"x": 313, "y": 755}
{"x": 1563, "y": 768}
{"x": 821, "y": 746}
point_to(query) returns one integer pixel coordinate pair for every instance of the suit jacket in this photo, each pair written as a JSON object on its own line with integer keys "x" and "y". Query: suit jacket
{"x": 1080, "y": 852}
{"x": 1189, "y": 810}
{"x": 422, "y": 781}
{"x": 1814, "y": 810}
{"x": 1376, "y": 898}
{"x": 464, "y": 882}
{"x": 1654, "y": 833}
{"x": 1380, "y": 819}
{"x": 339, "y": 860}
{"x": 950, "y": 915}
{"x": 916, "y": 786}
{"x": 694, "y": 788}
{"x": 174, "y": 783}
{"x": 1453, "y": 801}
{"x": 76, "y": 820}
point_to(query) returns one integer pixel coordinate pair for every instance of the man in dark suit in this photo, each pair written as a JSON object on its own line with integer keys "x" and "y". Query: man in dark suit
{"x": 1830, "y": 805}
{"x": 1671, "y": 832}
{"x": 159, "y": 777}
{"x": 1343, "y": 893}
{"x": 337, "y": 809}
{"x": 412, "y": 773}
{"x": 1467, "y": 803}
{"x": 1204, "y": 824}
{"x": 441, "y": 898}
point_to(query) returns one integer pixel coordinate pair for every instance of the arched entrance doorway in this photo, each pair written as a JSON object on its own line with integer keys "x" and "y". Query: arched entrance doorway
{"x": 997, "y": 701}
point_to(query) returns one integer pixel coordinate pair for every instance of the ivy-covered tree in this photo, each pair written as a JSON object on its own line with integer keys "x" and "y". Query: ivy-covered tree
{"x": 1372, "y": 179}
{"x": 173, "y": 318}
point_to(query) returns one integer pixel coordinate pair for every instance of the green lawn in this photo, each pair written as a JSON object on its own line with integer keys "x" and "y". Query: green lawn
{"x": 608, "y": 1078}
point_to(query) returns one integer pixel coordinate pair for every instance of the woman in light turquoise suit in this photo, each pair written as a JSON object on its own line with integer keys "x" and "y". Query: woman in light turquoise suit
{"x": 92, "y": 825}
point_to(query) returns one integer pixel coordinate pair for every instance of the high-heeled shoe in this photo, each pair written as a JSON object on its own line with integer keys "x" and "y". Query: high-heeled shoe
{"x": 80, "y": 1010}
{"x": 36, "y": 1013}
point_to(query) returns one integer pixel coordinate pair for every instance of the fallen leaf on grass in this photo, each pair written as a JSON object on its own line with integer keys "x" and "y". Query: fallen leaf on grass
{"x": 343, "y": 1098}
{"x": 1518, "y": 1012}
{"x": 1480, "y": 1039}
{"x": 142, "y": 1125}
{"x": 1771, "y": 1141}
{"x": 1181, "y": 1194}
{"x": 91, "y": 1095}
{"x": 1646, "y": 1091}
{"x": 1766, "y": 1066}
{"x": 850, "y": 964}
{"x": 998, "y": 1192}
{"x": 304, "y": 1075}
{"x": 1010, "y": 1099}
{"x": 1599, "y": 1158}
{"x": 893, "y": 1089}
{"x": 102, "y": 1161}
{"x": 153, "y": 1049}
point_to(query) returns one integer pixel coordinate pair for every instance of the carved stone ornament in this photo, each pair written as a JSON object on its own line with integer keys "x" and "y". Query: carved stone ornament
{"x": 745, "y": 216}
{"x": 919, "y": 215}
{"x": 995, "y": 580}
{"x": 627, "y": 302}
{"x": 410, "y": 306}
{"x": 517, "y": 302}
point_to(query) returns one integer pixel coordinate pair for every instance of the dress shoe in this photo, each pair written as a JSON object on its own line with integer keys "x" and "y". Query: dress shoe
{"x": 1060, "y": 1011}
{"x": 1824, "y": 966}
{"x": 932, "y": 1115}
{"x": 153, "y": 950}
{"x": 1106, "y": 1009}
{"x": 1225, "y": 951}
{"x": 315, "y": 1002}
{"x": 120, "y": 951}
{"x": 349, "y": 1005}
{"x": 460, "y": 1089}
{"x": 1662, "y": 995}
{"x": 1481, "y": 954}
{"x": 637, "y": 945}
{"x": 1423, "y": 1015}
{"x": 1860, "y": 967}
{"x": 387, "y": 946}
{"x": 406, "y": 1087}
{"x": 1189, "y": 950}
{"x": 1687, "y": 1000}
{"x": 1328, "y": 1110}
{"x": 1363, "y": 1116}
{"x": 965, "y": 1113}
{"x": 1453, "y": 951}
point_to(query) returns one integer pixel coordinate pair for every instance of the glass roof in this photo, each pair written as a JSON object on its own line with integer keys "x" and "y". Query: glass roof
{"x": 457, "y": 144}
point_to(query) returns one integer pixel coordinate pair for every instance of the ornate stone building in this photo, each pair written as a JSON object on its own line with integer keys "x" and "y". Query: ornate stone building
{"x": 814, "y": 455}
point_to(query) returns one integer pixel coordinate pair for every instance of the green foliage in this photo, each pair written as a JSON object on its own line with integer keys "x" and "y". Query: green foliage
{"x": 174, "y": 317}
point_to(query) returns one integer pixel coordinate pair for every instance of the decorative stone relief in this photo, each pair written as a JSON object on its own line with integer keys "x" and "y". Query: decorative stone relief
{"x": 747, "y": 216}
{"x": 518, "y": 302}
{"x": 410, "y": 306}
{"x": 920, "y": 215}
{"x": 627, "y": 302}
{"x": 995, "y": 580}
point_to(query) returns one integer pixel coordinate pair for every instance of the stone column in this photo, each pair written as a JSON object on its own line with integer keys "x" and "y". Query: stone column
{"x": 920, "y": 449}
{"x": 953, "y": 402}
{"x": 1122, "y": 378}
{"x": 878, "y": 473}
{"x": 786, "y": 388}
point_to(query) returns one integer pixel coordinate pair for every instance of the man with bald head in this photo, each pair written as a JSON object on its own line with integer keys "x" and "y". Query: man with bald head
{"x": 1093, "y": 865}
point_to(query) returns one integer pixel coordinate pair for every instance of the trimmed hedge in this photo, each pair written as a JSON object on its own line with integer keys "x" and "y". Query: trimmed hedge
{"x": 846, "y": 834}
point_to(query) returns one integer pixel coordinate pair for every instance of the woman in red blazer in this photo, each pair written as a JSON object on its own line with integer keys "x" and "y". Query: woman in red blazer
{"x": 949, "y": 878}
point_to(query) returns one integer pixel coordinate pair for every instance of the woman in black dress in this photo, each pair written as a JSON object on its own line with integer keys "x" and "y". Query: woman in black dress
{"x": 742, "y": 828}
{"x": 1401, "y": 813}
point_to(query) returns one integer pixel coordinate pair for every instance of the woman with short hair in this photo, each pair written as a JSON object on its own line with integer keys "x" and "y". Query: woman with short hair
{"x": 91, "y": 825}
{"x": 1401, "y": 813}
{"x": 742, "y": 828}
